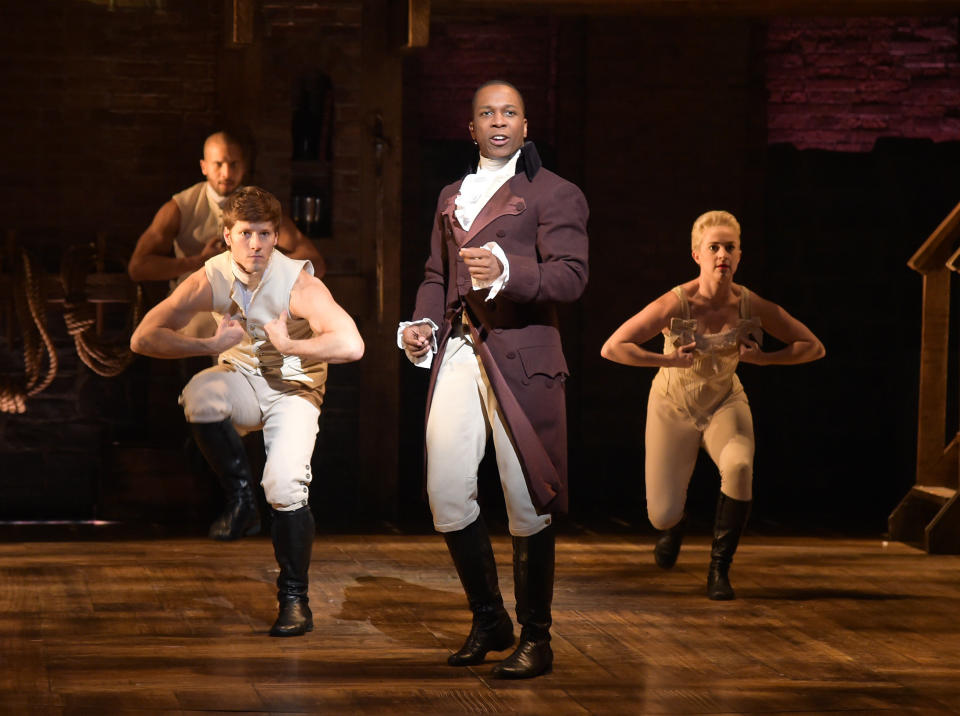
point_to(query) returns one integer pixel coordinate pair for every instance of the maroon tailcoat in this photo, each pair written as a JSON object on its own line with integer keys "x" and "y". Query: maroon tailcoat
{"x": 539, "y": 220}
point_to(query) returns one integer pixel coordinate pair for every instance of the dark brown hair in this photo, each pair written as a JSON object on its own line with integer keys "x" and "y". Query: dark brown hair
{"x": 253, "y": 204}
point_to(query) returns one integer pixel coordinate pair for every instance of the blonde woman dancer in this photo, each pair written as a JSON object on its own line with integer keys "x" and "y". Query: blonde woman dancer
{"x": 709, "y": 324}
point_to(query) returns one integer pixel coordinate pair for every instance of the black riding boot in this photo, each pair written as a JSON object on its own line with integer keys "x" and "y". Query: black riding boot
{"x": 533, "y": 560}
{"x": 667, "y": 550}
{"x": 292, "y": 540}
{"x": 731, "y": 518}
{"x": 224, "y": 452}
{"x": 492, "y": 629}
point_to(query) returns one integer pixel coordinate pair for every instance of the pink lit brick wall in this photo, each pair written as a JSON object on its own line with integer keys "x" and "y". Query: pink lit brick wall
{"x": 840, "y": 84}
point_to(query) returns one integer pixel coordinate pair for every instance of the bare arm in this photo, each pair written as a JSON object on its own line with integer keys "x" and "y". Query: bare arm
{"x": 157, "y": 335}
{"x": 336, "y": 338}
{"x": 297, "y": 246}
{"x": 625, "y": 345}
{"x": 151, "y": 259}
{"x": 802, "y": 346}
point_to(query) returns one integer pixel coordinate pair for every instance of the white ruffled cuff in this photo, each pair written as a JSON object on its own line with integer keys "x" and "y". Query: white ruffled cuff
{"x": 500, "y": 281}
{"x": 426, "y": 360}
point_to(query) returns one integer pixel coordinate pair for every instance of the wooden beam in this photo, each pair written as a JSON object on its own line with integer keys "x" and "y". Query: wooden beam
{"x": 381, "y": 104}
{"x": 240, "y": 21}
{"x": 418, "y": 23}
{"x": 709, "y": 8}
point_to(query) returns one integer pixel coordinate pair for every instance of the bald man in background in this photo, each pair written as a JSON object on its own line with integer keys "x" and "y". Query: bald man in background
{"x": 186, "y": 232}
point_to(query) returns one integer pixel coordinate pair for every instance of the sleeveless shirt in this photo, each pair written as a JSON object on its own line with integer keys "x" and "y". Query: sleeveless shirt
{"x": 201, "y": 218}
{"x": 255, "y": 354}
{"x": 703, "y": 387}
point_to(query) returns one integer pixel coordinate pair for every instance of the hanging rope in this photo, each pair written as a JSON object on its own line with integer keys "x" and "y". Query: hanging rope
{"x": 31, "y": 309}
{"x": 80, "y": 315}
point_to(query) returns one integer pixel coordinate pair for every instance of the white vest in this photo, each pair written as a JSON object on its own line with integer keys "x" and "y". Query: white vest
{"x": 255, "y": 354}
{"x": 201, "y": 218}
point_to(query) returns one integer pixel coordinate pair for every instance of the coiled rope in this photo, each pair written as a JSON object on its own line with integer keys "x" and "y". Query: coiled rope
{"x": 80, "y": 316}
{"x": 31, "y": 309}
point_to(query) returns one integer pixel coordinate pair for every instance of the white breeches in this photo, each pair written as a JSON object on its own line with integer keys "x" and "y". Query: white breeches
{"x": 672, "y": 444}
{"x": 463, "y": 413}
{"x": 288, "y": 421}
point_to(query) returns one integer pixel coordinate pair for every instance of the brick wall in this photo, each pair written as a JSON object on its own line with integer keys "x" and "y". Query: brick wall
{"x": 840, "y": 84}
{"x": 104, "y": 112}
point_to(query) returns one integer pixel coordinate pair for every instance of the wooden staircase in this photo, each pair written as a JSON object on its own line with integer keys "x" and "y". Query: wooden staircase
{"x": 929, "y": 514}
{"x": 930, "y": 517}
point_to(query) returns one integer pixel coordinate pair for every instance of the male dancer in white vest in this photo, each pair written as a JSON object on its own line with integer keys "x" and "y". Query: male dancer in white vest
{"x": 278, "y": 326}
{"x": 188, "y": 230}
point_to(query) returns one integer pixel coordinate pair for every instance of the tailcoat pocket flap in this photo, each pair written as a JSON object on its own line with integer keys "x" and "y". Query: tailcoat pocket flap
{"x": 543, "y": 360}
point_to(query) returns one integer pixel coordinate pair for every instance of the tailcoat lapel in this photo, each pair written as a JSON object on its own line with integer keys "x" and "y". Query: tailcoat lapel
{"x": 503, "y": 203}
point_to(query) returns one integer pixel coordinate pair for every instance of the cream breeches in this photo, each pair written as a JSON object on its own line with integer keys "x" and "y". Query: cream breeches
{"x": 672, "y": 443}
{"x": 463, "y": 413}
{"x": 288, "y": 421}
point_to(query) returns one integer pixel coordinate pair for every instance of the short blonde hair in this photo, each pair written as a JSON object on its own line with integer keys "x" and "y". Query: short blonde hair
{"x": 709, "y": 220}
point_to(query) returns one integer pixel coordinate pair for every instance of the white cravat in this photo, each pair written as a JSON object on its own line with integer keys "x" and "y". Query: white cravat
{"x": 477, "y": 188}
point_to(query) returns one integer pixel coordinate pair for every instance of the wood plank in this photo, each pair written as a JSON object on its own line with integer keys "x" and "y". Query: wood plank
{"x": 179, "y": 625}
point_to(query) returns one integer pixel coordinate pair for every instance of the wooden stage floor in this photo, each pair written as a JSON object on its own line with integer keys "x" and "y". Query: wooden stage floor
{"x": 179, "y": 626}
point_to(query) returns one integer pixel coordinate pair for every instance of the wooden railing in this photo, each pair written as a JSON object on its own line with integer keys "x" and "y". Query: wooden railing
{"x": 929, "y": 514}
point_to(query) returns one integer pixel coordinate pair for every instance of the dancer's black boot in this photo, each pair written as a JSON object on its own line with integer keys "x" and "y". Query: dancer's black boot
{"x": 533, "y": 562}
{"x": 224, "y": 452}
{"x": 492, "y": 629}
{"x": 292, "y": 541}
{"x": 730, "y": 520}
{"x": 667, "y": 549}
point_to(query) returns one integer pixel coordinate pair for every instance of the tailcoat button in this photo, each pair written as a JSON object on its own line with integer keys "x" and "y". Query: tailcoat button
{"x": 511, "y": 355}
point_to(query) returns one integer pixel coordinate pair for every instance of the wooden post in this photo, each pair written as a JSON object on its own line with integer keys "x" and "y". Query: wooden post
{"x": 933, "y": 466}
{"x": 418, "y": 23}
{"x": 240, "y": 20}
{"x": 380, "y": 231}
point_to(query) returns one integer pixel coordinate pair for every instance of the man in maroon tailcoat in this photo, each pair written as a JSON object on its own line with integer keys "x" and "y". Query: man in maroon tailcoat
{"x": 509, "y": 243}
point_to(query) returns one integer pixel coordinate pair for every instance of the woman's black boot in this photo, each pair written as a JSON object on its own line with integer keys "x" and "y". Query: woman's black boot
{"x": 730, "y": 520}
{"x": 667, "y": 549}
